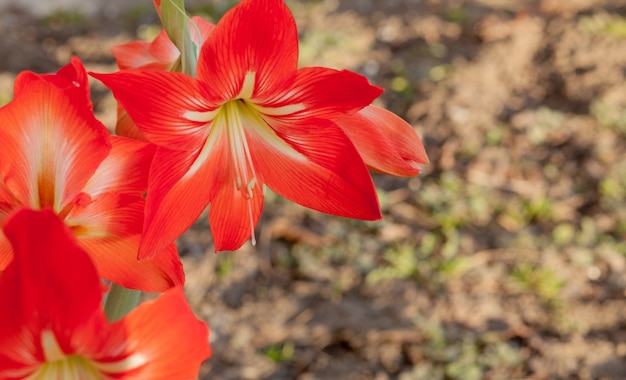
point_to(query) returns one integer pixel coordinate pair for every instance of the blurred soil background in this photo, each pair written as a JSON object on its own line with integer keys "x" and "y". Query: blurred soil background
{"x": 505, "y": 259}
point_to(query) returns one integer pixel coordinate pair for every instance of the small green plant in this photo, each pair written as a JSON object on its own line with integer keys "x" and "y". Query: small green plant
{"x": 280, "y": 353}
{"x": 66, "y": 17}
{"x": 541, "y": 281}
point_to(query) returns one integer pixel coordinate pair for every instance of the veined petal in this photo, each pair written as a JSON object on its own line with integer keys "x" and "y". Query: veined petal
{"x": 200, "y": 29}
{"x": 124, "y": 170}
{"x": 51, "y": 147}
{"x": 56, "y": 326}
{"x": 6, "y": 252}
{"x": 257, "y": 37}
{"x": 153, "y": 327}
{"x": 386, "y": 143}
{"x": 158, "y": 54}
{"x": 109, "y": 229}
{"x": 40, "y": 294}
{"x": 8, "y": 204}
{"x": 320, "y": 93}
{"x": 181, "y": 185}
{"x": 71, "y": 78}
{"x": 126, "y": 127}
{"x": 176, "y": 112}
{"x": 234, "y": 213}
{"x": 315, "y": 165}
{"x": 161, "y": 53}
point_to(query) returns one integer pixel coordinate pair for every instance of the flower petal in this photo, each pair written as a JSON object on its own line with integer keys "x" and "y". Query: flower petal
{"x": 126, "y": 127}
{"x": 6, "y": 252}
{"x": 40, "y": 294}
{"x": 163, "y": 117}
{"x": 124, "y": 170}
{"x": 109, "y": 228}
{"x": 161, "y": 53}
{"x": 180, "y": 187}
{"x": 318, "y": 92}
{"x": 200, "y": 29}
{"x": 258, "y": 37}
{"x": 322, "y": 170}
{"x": 158, "y": 54}
{"x": 234, "y": 214}
{"x": 50, "y": 145}
{"x": 72, "y": 78}
{"x": 165, "y": 335}
{"x": 387, "y": 143}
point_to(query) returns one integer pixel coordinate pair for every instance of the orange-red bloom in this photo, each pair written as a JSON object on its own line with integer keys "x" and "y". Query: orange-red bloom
{"x": 251, "y": 118}
{"x": 57, "y": 155}
{"x": 52, "y": 324}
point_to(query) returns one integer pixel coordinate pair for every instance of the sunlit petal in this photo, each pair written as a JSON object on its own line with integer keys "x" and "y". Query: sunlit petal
{"x": 318, "y": 92}
{"x": 257, "y": 37}
{"x": 170, "y": 339}
{"x": 180, "y": 187}
{"x": 328, "y": 176}
{"x": 387, "y": 143}
{"x": 109, "y": 228}
{"x": 50, "y": 147}
{"x": 124, "y": 170}
{"x": 161, "y": 113}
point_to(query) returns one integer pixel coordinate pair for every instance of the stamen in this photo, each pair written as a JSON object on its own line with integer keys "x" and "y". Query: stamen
{"x": 252, "y": 238}
{"x": 250, "y": 186}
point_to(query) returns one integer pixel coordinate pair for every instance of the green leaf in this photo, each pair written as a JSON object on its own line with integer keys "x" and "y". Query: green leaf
{"x": 174, "y": 19}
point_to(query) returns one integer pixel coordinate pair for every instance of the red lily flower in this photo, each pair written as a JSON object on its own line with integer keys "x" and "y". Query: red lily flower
{"x": 53, "y": 325}
{"x": 250, "y": 119}
{"x": 57, "y": 155}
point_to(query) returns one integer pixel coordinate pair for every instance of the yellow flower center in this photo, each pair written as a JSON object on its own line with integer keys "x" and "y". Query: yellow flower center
{"x": 59, "y": 365}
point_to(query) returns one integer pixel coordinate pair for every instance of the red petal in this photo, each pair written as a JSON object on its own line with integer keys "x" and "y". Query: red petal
{"x": 234, "y": 214}
{"x": 161, "y": 117}
{"x": 161, "y": 53}
{"x": 322, "y": 170}
{"x": 319, "y": 92}
{"x": 72, "y": 78}
{"x": 124, "y": 170}
{"x": 200, "y": 29}
{"x": 6, "y": 252}
{"x": 109, "y": 228}
{"x": 126, "y": 127}
{"x": 257, "y": 37}
{"x": 51, "y": 146}
{"x": 158, "y": 54}
{"x": 8, "y": 204}
{"x": 180, "y": 187}
{"x": 166, "y": 335}
{"x": 51, "y": 284}
{"x": 387, "y": 143}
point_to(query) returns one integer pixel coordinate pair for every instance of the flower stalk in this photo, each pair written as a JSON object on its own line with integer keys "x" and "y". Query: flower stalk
{"x": 120, "y": 302}
{"x": 174, "y": 20}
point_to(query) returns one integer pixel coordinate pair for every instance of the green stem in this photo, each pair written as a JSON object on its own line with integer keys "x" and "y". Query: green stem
{"x": 175, "y": 22}
{"x": 120, "y": 302}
